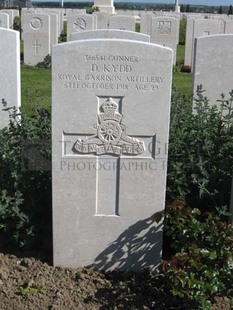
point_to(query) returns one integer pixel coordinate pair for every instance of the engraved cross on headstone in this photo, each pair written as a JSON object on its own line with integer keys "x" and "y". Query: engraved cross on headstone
{"x": 36, "y": 46}
{"x": 108, "y": 145}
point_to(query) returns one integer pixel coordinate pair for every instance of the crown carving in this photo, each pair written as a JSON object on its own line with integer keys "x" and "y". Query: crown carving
{"x": 109, "y": 105}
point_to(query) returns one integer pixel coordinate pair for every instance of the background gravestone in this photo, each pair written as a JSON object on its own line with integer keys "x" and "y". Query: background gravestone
{"x": 36, "y": 38}
{"x": 10, "y": 72}
{"x": 122, "y": 22}
{"x": 203, "y": 28}
{"x": 213, "y": 59}
{"x": 110, "y": 34}
{"x": 80, "y": 23}
{"x": 165, "y": 31}
{"x": 110, "y": 120}
{"x": 4, "y": 20}
{"x": 102, "y": 20}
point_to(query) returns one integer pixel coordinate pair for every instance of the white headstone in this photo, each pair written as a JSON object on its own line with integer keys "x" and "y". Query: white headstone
{"x": 110, "y": 34}
{"x": 146, "y": 20}
{"x": 11, "y": 16}
{"x": 165, "y": 31}
{"x": 122, "y": 22}
{"x": 10, "y": 72}
{"x": 189, "y": 42}
{"x": 54, "y": 28}
{"x": 80, "y": 23}
{"x": 229, "y": 27}
{"x": 4, "y": 20}
{"x": 36, "y": 38}
{"x": 110, "y": 119}
{"x": 203, "y": 28}
{"x": 102, "y": 20}
{"x": 213, "y": 66}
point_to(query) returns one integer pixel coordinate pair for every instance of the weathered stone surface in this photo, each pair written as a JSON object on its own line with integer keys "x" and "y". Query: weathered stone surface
{"x": 110, "y": 34}
{"x": 4, "y": 20}
{"x": 213, "y": 59}
{"x": 10, "y": 72}
{"x": 36, "y": 38}
{"x": 80, "y": 23}
{"x": 122, "y": 22}
{"x": 110, "y": 118}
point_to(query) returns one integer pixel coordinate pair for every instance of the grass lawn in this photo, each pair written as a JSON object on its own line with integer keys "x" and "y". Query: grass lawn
{"x": 36, "y": 87}
{"x": 36, "y": 83}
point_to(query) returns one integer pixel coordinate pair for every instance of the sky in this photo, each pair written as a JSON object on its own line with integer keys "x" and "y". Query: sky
{"x": 204, "y": 2}
{"x": 200, "y": 2}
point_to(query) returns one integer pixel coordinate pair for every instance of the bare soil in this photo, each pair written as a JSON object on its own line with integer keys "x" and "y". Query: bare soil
{"x": 28, "y": 283}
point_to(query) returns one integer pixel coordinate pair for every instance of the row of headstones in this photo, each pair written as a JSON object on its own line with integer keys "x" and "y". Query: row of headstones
{"x": 109, "y": 180}
{"x": 197, "y": 27}
{"x": 40, "y": 31}
{"x": 7, "y": 18}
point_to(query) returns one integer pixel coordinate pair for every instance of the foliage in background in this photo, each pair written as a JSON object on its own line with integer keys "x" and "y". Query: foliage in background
{"x": 63, "y": 35}
{"x": 92, "y": 9}
{"x": 46, "y": 63}
{"x": 17, "y": 24}
{"x": 230, "y": 10}
{"x": 200, "y": 153}
{"x": 25, "y": 177}
{"x": 182, "y": 32}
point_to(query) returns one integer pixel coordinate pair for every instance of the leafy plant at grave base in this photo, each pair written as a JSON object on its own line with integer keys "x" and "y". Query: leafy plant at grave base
{"x": 137, "y": 27}
{"x": 202, "y": 267}
{"x": 31, "y": 288}
{"x": 201, "y": 153}
{"x": 25, "y": 190}
{"x": 46, "y": 63}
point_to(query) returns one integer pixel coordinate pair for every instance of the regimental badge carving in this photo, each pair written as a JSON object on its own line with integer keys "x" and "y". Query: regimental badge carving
{"x": 164, "y": 27}
{"x": 80, "y": 24}
{"x": 36, "y": 23}
{"x": 110, "y": 136}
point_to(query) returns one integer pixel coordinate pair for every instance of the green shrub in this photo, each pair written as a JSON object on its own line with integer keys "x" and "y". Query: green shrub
{"x": 202, "y": 266}
{"x": 200, "y": 157}
{"x": 46, "y": 63}
{"x": 93, "y": 9}
{"x": 25, "y": 176}
{"x": 17, "y": 24}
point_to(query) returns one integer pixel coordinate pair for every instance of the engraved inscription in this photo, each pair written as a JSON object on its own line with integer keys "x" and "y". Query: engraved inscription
{"x": 79, "y": 24}
{"x": 164, "y": 27}
{"x": 36, "y": 23}
{"x": 112, "y": 72}
{"x": 110, "y": 136}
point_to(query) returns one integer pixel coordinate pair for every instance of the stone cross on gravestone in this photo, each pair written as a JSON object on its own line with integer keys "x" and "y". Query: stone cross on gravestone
{"x": 110, "y": 138}
{"x": 36, "y": 46}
